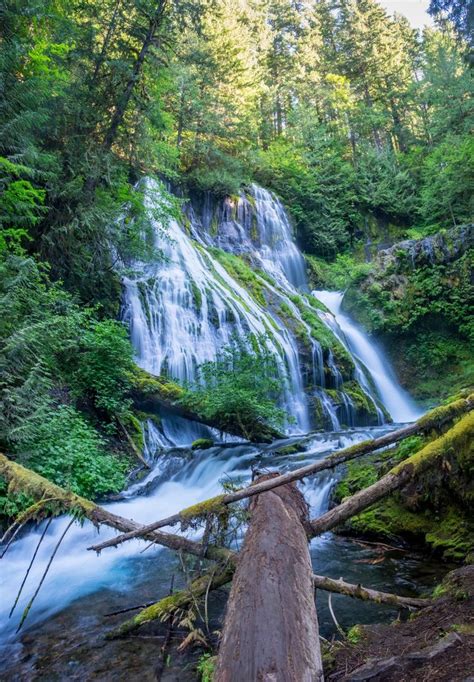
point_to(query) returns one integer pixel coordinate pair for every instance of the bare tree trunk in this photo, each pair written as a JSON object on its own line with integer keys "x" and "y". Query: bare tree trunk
{"x": 271, "y": 627}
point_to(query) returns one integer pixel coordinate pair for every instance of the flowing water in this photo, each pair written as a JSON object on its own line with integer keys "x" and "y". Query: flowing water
{"x": 370, "y": 360}
{"x": 180, "y": 311}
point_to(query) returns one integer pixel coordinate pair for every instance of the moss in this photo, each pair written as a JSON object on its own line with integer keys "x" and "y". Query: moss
{"x": 355, "y": 634}
{"x": 27, "y": 482}
{"x": 197, "y": 295}
{"x": 242, "y": 272}
{"x": 358, "y": 476}
{"x": 436, "y": 508}
{"x": 459, "y": 438}
{"x": 212, "y": 506}
{"x": 148, "y": 384}
{"x": 202, "y": 444}
{"x": 134, "y": 427}
{"x": 291, "y": 449}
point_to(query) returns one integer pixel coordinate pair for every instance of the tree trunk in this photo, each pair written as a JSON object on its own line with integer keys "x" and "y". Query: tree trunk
{"x": 271, "y": 627}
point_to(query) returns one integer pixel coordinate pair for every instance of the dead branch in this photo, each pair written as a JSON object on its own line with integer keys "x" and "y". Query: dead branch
{"x": 368, "y": 594}
{"x": 170, "y": 605}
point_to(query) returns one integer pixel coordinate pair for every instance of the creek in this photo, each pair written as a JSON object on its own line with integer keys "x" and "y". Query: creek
{"x": 180, "y": 310}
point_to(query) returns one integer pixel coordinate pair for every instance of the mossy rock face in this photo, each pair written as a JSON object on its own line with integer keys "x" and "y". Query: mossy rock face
{"x": 291, "y": 449}
{"x": 202, "y": 444}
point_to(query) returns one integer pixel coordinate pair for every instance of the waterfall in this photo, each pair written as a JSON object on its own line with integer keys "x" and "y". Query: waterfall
{"x": 183, "y": 308}
{"x": 371, "y": 361}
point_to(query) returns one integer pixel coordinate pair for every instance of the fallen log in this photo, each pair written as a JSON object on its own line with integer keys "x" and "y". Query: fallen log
{"x": 24, "y": 480}
{"x": 271, "y": 628}
{"x": 459, "y": 436}
{"x": 367, "y": 594}
{"x": 437, "y": 418}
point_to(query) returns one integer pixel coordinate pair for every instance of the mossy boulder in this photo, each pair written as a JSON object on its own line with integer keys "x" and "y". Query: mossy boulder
{"x": 202, "y": 444}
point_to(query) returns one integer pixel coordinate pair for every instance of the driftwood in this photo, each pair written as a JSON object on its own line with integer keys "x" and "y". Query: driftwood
{"x": 366, "y": 594}
{"x": 271, "y": 628}
{"x": 435, "y": 419}
{"x": 459, "y": 436}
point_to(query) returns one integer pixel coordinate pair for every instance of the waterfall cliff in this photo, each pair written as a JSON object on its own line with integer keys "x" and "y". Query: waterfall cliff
{"x": 231, "y": 268}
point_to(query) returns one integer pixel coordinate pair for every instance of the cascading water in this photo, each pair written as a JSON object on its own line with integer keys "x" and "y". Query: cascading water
{"x": 180, "y": 311}
{"x": 184, "y": 308}
{"x": 396, "y": 401}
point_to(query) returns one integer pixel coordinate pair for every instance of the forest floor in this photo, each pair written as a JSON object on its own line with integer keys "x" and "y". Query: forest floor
{"x": 435, "y": 644}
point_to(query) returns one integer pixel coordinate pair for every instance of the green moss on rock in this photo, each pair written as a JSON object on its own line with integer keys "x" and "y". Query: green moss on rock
{"x": 202, "y": 444}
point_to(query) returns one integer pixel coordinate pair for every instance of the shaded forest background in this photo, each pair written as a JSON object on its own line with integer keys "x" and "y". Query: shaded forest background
{"x": 350, "y": 115}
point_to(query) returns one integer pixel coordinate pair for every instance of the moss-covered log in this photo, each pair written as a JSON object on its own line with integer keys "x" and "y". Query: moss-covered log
{"x": 153, "y": 394}
{"x": 367, "y": 594}
{"x": 271, "y": 628}
{"x": 436, "y": 420}
{"x": 24, "y": 480}
{"x": 179, "y": 600}
{"x": 459, "y": 437}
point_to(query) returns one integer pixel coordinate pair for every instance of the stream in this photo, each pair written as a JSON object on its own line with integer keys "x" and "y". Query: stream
{"x": 180, "y": 311}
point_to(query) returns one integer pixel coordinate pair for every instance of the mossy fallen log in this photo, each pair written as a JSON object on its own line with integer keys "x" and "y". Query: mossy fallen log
{"x": 460, "y": 437}
{"x": 436, "y": 420}
{"x": 153, "y": 394}
{"x": 168, "y": 606}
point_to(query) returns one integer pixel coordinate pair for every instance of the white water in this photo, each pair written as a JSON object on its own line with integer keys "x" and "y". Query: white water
{"x": 396, "y": 401}
{"x": 186, "y": 307}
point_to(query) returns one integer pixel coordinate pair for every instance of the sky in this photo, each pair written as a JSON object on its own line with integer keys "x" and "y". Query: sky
{"x": 414, "y": 10}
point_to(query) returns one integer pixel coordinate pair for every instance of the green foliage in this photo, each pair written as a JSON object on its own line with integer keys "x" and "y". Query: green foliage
{"x": 205, "y": 667}
{"x": 448, "y": 178}
{"x": 239, "y": 386}
{"x": 68, "y": 451}
{"x": 345, "y": 270}
{"x": 102, "y": 366}
{"x": 56, "y": 360}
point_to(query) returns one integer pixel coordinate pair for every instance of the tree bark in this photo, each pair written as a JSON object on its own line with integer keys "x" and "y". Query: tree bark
{"x": 271, "y": 629}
